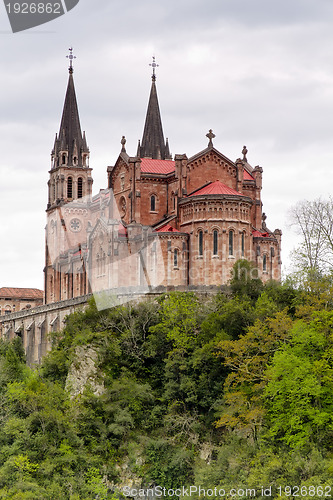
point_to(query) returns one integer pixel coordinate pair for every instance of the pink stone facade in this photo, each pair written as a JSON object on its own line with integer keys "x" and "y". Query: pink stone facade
{"x": 161, "y": 221}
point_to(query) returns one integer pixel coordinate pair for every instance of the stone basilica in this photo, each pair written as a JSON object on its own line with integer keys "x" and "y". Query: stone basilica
{"x": 162, "y": 223}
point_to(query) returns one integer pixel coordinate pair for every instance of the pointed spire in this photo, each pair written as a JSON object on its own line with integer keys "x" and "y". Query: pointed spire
{"x": 167, "y": 150}
{"x": 70, "y": 138}
{"x": 84, "y": 144}
{"x": 152, "y": 144}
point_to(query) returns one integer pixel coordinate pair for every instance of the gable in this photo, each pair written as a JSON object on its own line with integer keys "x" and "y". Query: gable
{"x": 120, "y": 168}
{"x": 209, "y": 166}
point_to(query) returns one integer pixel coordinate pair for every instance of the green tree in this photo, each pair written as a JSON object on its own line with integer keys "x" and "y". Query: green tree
{"x": 245, "y": 281}
{"x": 242, "y": 403}
{"x": 299, "y": 392}
{"x": 179, "y": 319}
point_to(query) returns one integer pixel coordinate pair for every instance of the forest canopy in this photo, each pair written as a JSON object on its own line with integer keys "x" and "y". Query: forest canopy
{"x": 231, "y": 390}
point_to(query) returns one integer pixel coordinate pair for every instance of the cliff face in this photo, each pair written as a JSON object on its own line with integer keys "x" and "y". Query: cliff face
{"x": 84, "y": 373}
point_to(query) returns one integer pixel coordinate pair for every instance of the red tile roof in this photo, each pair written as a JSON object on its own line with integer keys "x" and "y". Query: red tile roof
{"x": 149, "y": 166}
{"x": 216, "y": 187}
{"x": 248, "y": 176}
{"x": 21, "y": 293}
{"x": 167, "y": 229}
{"x": 258, "y": 234}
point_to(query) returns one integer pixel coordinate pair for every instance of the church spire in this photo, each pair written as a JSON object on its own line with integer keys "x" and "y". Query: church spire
{"x": 153, "y": 144}
{"x": 70, "y": 146}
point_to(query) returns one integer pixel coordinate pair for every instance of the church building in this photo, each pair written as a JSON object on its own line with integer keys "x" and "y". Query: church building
{"x": 162, "y": 222}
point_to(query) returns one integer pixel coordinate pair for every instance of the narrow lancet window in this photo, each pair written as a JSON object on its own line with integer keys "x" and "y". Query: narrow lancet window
{"x": 175, "y": 258}
{"x": 69, "y": 187}
{"x": 231, "y": 243}
{"x": 79, "y": 187}
{"x": 153, "y": 203}
{"x": 200, "y": 243}
{"x": 215, "y": 241}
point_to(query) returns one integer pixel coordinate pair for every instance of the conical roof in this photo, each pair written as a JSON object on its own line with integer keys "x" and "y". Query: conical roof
{"x": 153, "y": 144}
{"x": 70, "y": 138}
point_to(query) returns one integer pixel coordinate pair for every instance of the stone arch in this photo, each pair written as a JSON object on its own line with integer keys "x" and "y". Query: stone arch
{"x": 122, "y": 206}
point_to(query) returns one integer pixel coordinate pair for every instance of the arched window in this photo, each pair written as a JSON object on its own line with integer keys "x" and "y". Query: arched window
{"x": 200, "y": 245}
{"x": 8, "y": 310}
{"x": 51, "y": 288}
{"x": 231, "y": 243}
{"x": 103, "y": 263}
{"x": 153, "y": 203}
{"x": 80, "y": 187}
{"x": 69, "y": 187}
{"x": 243, "y": 244}
{"x": 63, "y": 159}
{"x": 264, "y": 262}
{"x": 215, "y": 242}
{"x": 98, "y": 260}
{"x": 175, "y": 258}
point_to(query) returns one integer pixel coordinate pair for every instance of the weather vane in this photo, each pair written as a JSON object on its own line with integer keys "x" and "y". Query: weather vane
{"x": 154, "y": 65}
{"x": 71, "y": 57}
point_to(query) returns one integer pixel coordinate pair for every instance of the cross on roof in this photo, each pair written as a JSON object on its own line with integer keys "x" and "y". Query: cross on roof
{"x": 154, "y": 65}
{"x": 210, "y": 136}
{"x": 71, "y": 57}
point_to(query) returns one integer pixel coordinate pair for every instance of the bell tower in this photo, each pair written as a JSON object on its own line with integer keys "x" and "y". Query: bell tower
{"x": 70, "y": 182}
{"x": 70, "y": 175}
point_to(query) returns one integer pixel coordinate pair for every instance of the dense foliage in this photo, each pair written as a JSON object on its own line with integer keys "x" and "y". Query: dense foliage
{"x": 226, "y": 391}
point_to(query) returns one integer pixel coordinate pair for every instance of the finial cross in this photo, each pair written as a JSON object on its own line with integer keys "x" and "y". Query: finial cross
{"x": 154, "y": 66}
{"x": 71, "y": 57}
{"x": 210, "y": 136}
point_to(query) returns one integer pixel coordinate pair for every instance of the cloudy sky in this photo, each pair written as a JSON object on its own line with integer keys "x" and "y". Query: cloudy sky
{"x": 258, "y": 72}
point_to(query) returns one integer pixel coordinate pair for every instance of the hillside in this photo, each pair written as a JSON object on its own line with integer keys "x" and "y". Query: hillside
{"x": 228, "y": 392}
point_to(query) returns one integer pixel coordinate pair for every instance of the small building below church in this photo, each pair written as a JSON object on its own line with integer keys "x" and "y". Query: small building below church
{"x": 18, "y": 299}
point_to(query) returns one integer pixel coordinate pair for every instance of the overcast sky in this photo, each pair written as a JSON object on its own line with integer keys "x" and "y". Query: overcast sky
{"x": 258, "y": 72}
